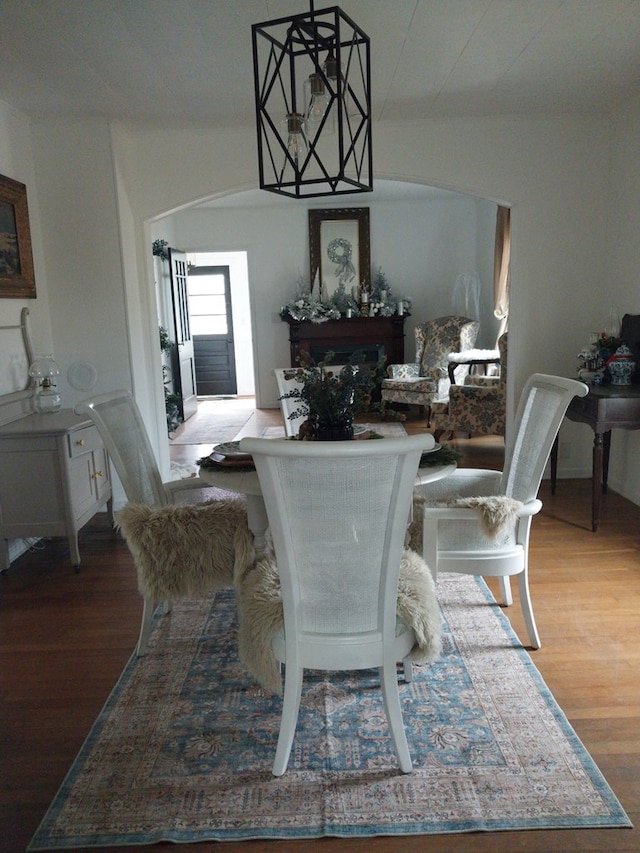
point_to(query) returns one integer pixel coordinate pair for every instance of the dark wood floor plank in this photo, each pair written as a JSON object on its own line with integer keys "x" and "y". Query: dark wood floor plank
{"x": 65, "y": 638}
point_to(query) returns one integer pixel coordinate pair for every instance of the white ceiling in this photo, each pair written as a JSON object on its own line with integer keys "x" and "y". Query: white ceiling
{"x": 189, "y": 61}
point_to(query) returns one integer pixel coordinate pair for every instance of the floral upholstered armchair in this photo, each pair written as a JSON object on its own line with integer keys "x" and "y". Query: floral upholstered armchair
{"x": 427, "y": 379}
{"x": 476, "y": 408}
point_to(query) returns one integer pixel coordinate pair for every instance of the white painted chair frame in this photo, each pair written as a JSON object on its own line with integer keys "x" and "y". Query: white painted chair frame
{"x": 452, "y": 537}
{"x": 118, "y": 420}
{"x": 338, "y": 547}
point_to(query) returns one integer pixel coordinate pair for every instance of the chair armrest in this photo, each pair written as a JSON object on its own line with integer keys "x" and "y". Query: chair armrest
{"x": 462, "y": 483}
{"x": 186, "y": 484}
{"x": 481, "y": 381}
{"x": 403, "y": 371}
{"x": 455, "y": 513}
{"x": 435, "y": 373}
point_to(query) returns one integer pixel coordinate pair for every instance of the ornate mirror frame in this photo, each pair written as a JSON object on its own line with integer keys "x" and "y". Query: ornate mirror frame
{"x": 339, "y": 250}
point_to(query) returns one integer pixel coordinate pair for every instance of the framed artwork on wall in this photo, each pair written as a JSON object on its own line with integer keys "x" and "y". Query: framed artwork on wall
{"x": 17, "y": 279}
{"x": 339, "y": 250}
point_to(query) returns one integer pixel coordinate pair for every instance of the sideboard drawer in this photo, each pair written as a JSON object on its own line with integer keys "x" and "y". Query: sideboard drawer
{"x": 83, "y": 441}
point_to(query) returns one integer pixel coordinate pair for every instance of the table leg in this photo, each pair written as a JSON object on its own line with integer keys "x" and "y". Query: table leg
{"x": 258, "y": 523}
{"x": 596, "y": 480}
{"x": 605, "y": 461}
{"x": 74, "y": 551}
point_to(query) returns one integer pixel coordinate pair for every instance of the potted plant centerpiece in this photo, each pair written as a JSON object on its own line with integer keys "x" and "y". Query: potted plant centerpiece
{"x": 330, "y": 397}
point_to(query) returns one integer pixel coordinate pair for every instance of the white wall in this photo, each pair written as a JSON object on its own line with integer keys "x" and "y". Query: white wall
{"x": 622, "y": 277}
{"x": 556, "y": 173}
{"x": 422, "y": 248}
{"x": 553, "y": 172}
{"x": 17, "y": 162}
{"x": 82, "y": 248}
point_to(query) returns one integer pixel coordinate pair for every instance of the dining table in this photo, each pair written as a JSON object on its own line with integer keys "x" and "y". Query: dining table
{"x": 245, "y": 481}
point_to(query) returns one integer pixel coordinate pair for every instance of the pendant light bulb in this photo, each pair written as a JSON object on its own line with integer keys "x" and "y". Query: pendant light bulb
{"x": 318, "y": 99}
{"x": 296, "y": 140}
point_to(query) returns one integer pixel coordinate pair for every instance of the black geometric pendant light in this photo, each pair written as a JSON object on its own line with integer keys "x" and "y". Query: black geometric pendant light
{"x": 312, "y": 77}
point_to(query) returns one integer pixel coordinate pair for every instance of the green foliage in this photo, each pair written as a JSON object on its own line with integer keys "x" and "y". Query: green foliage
{"x": 165, "y": 341}
{"x": 171, "y": 398}
{"x": 329, "y": 395}
{"x": 160, "y": 248}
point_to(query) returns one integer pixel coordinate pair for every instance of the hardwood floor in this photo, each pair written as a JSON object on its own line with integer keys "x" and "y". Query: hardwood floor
{"x": 65, "y": 638}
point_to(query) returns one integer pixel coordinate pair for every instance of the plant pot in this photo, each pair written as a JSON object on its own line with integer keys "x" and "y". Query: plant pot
{"x": 334, "y": 430}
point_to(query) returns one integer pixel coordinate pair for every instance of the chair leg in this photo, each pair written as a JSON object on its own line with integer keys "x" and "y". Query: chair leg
{"x": 527, "y": 609}
{"x": 505, "y": 591}
{"x": 389, "y": 684}
{"x": 148, "y": 609}
{"x": 290, "y": 708}
{"x": 407, "y": 669}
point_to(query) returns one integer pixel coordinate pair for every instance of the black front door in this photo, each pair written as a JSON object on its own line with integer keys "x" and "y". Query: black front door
{"x": 212, "y": 330}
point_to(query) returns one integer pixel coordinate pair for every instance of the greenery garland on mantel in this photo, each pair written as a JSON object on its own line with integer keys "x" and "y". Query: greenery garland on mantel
{"x": 307, "y": 306}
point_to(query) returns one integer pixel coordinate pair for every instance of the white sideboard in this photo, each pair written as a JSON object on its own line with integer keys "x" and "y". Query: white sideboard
{"x": 54, "y": 477}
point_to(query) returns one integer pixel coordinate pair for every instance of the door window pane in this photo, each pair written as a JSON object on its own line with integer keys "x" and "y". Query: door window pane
{"x": 208, "y": 325}
{"x": 207, "y": 305}
{"x": 199, "y": 284}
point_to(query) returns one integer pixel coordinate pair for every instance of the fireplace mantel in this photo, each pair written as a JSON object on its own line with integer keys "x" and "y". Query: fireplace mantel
{"x": 380, "y": 335}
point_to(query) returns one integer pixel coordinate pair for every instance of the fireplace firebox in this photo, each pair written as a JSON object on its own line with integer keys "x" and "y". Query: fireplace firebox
{"x": 375, "y": 336}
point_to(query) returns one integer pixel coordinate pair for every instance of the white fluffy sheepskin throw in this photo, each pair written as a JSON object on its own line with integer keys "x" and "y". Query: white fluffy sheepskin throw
{"x": 496, "y": 513}
{"x": 260, "y": 615}
{"x": 473, "y": 355}
{"x": 188, "y": 549}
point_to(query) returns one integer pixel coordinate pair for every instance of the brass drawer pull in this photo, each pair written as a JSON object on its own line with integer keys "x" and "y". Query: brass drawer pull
{"x": 97, "y": 474}
{"x": 80, "y": 442}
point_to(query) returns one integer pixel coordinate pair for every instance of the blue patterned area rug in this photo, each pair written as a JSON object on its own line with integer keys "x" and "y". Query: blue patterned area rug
{"x": 182, "y": 750}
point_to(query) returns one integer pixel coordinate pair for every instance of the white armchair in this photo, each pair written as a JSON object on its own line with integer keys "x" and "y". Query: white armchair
{"x": 478, "y": 521}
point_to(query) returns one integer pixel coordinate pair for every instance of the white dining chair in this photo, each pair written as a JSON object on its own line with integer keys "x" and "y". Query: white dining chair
{"x": 459, "y": 534}
{"x": 288, "y": 404}
{"x": 168, "y": 564}
{"x": 338, "y": 514}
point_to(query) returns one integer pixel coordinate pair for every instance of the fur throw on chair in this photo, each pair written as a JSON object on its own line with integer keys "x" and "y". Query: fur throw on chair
{"x": 260, "y": 616}
{"x": 187, "y": 550}
{"x": 496, "y": 513}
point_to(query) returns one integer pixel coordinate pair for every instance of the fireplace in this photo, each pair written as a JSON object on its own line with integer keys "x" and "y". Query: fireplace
{"x": 370, "y": 353}
{"x": 375, "y": 336}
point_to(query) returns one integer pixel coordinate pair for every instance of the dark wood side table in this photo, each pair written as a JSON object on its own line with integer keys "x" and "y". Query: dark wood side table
{"x": 451, "y": 367}
{"x": 605, "y": 407}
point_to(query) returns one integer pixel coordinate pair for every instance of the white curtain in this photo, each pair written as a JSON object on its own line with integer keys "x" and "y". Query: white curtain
{"x": 502, "y": 267}
{"x": 466, "y": 296}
